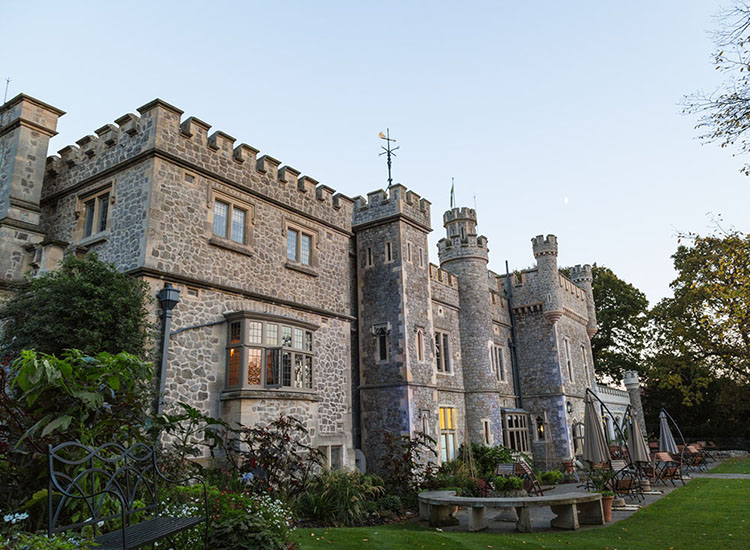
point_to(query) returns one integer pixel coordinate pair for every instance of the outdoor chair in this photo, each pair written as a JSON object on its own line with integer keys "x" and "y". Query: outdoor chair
{"x": 695, "y": 459}
{"x": 569, "y": 467}
{"x": 627, "y": 481}
{"x": 669, "y": 469}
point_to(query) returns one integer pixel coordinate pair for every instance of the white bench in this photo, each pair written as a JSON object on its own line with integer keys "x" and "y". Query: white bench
{"x": 571, "y": 509}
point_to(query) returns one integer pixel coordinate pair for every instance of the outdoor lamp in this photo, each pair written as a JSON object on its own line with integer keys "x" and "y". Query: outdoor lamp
{"x": 168, "y": 297}
{"x": 569, "y": 407}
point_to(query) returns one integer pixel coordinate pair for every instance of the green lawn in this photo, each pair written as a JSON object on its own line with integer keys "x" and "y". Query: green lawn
{"x": 733, "y": 466}
{"x": 706, "y": 514}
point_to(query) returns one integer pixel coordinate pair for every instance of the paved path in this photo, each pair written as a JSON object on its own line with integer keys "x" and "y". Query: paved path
{"x": 719, "y": 476}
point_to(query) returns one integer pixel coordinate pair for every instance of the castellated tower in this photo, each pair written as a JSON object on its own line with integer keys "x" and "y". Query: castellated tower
{"x": 582, "y": 276}
{"x": 545, "y": 253}
{"x": 26, "y": 126}
{"x": 397, "y": 364}
{"x": 465, "y": 254}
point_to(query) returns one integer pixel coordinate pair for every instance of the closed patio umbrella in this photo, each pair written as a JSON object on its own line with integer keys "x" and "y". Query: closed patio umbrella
{"x": 666, "y": 440}
{"x": 595, "y": 449}
{"x": 636, "y": 443}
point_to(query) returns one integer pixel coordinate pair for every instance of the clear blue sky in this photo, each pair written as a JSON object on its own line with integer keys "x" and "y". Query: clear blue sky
{"x": 561, "y": 117}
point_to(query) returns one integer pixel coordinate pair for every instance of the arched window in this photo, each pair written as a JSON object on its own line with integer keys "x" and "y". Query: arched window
{"x": 540, "y": 428}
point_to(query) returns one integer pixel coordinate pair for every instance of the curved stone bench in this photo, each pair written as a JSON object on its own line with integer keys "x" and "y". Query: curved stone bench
{"x": 571, "y": 509}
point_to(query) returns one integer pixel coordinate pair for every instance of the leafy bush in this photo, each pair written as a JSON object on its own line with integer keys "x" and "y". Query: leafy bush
{"x": 263, "y": 522}
{"x": 506, "y": 484}
{"x": 553, "y": 476}
{"x": 85, "y": 304}
{"x": 48, "y": 400}
{"x": 387, "y": 507}
{"x": 486, "y": 458}
{"x": 33, "y": 541}
{"x": 340, "y": 498}
{"x": 407, "y": 463}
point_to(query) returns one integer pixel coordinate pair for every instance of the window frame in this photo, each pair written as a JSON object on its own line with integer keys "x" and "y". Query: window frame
{"x": 568, "y": 359}
{"x": 95, "y": 196}
{"x": 443, "y": 346}
{"x": 233, "y": 203}
{"x": 447, "y": 424}
{"x": 516, "y": 430}
{"x": 272, "y": 354}
{"x": 302, "y": 231}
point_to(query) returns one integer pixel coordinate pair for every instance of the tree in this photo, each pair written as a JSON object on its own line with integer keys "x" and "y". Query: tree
{"x": 622, "y": 314}
{"x": 85, "y": 304}
{"x": 700, "y": 350}
{"x": 724, "y": 114}
{"x": 708, "y": 319}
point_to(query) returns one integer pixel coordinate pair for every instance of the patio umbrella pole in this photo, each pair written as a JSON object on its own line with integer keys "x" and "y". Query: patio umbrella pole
{"x": 619, "y": 431}
{"x": 684, "y": 443}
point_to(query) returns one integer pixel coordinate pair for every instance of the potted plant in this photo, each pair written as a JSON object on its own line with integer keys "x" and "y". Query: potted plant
{"x": 600, "y": 481}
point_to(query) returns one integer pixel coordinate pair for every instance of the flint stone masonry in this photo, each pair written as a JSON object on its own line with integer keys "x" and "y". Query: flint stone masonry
{"x": 368, "y": 275}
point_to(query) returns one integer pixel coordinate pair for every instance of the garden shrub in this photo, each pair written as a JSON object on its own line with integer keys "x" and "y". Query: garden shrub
{"x": 504, "y": 484}
{"x": 407, "y": 464}
{"x": 260, "y": 521}
{"x": 340, "y": 498}
{"x": 275, "y": 458}
{"x": 486, "y": 458}
{"x": 551, "y": 477}
{"x": 48, "y": 400}
{"x": 385, "y": 508}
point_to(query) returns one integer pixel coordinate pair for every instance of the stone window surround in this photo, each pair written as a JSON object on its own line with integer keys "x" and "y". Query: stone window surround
{"x": 369, "y": 259}
{"x": 408, "y": 252}
{"x": 584, "y": 357}
{"x": 516, "y": 430}
{"x": 265, "y": 318}
{"x": 419, "y": 342}
{"x": 539, "y": 428}
{"x": 447, "y": 424}
{"x": 381, "y": 332}
{"x": 567, "y": 360}
{"x": 326, "y": 450}
{"x": 497, "y": 361}
{"x": 388, "y": 253}
{"x": 486, "y": 431}
{"x": 80, "y": 214}
{"x": 245, "y": 248}
{"x": 443, "y": 361}
{"x": 301, "y": 229}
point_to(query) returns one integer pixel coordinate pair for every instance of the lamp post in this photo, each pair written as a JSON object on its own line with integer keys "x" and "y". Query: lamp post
{"x": 168, "y": 297}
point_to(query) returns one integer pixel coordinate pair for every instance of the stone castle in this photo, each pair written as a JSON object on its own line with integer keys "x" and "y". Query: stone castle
{"x": 299, "y": 300}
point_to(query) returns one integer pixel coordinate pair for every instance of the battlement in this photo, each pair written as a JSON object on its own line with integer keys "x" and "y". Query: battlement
{"x": 459, "y": 214}
{"x": 443, "y": 277}
{"x": 581, "y": 273}
{"x": 569, "y": 286}
{"x": 544, "y": 246}
{"x": 398, "y": 200}
{"x": 159, "y": 126}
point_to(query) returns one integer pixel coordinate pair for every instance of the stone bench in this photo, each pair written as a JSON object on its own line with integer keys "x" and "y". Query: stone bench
{"x": 571, "y": 509}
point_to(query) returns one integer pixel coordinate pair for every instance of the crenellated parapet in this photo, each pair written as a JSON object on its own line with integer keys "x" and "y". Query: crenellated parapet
{"x": 461, "y": 240}
{"x": 397, "y": 202}
{"x": 159, "y": 130}
{"x": 443, "y": 277}
{"x": 544, "y": 246}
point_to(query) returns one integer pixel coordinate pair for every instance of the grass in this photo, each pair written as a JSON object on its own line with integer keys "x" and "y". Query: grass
{"x": 705, "y": 514}
{"x": 733, "y": 466}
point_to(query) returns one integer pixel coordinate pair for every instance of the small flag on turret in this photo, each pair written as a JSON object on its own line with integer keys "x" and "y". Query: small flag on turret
{"x": 453, "y": 194}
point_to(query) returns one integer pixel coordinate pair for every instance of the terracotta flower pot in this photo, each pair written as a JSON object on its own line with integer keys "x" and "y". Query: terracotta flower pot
{"x": 607, "y": 507}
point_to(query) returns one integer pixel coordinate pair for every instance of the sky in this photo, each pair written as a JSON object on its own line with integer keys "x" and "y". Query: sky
{"x": 552, "y": 117}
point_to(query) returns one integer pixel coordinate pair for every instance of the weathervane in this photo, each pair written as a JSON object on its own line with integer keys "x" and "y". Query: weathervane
{"x": 388, "y": 151}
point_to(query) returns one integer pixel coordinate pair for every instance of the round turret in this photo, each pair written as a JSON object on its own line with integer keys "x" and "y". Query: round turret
{"x": 545, "y": 252}
{"x": 582, "y": 276}
{"x": 461, "y": 240}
